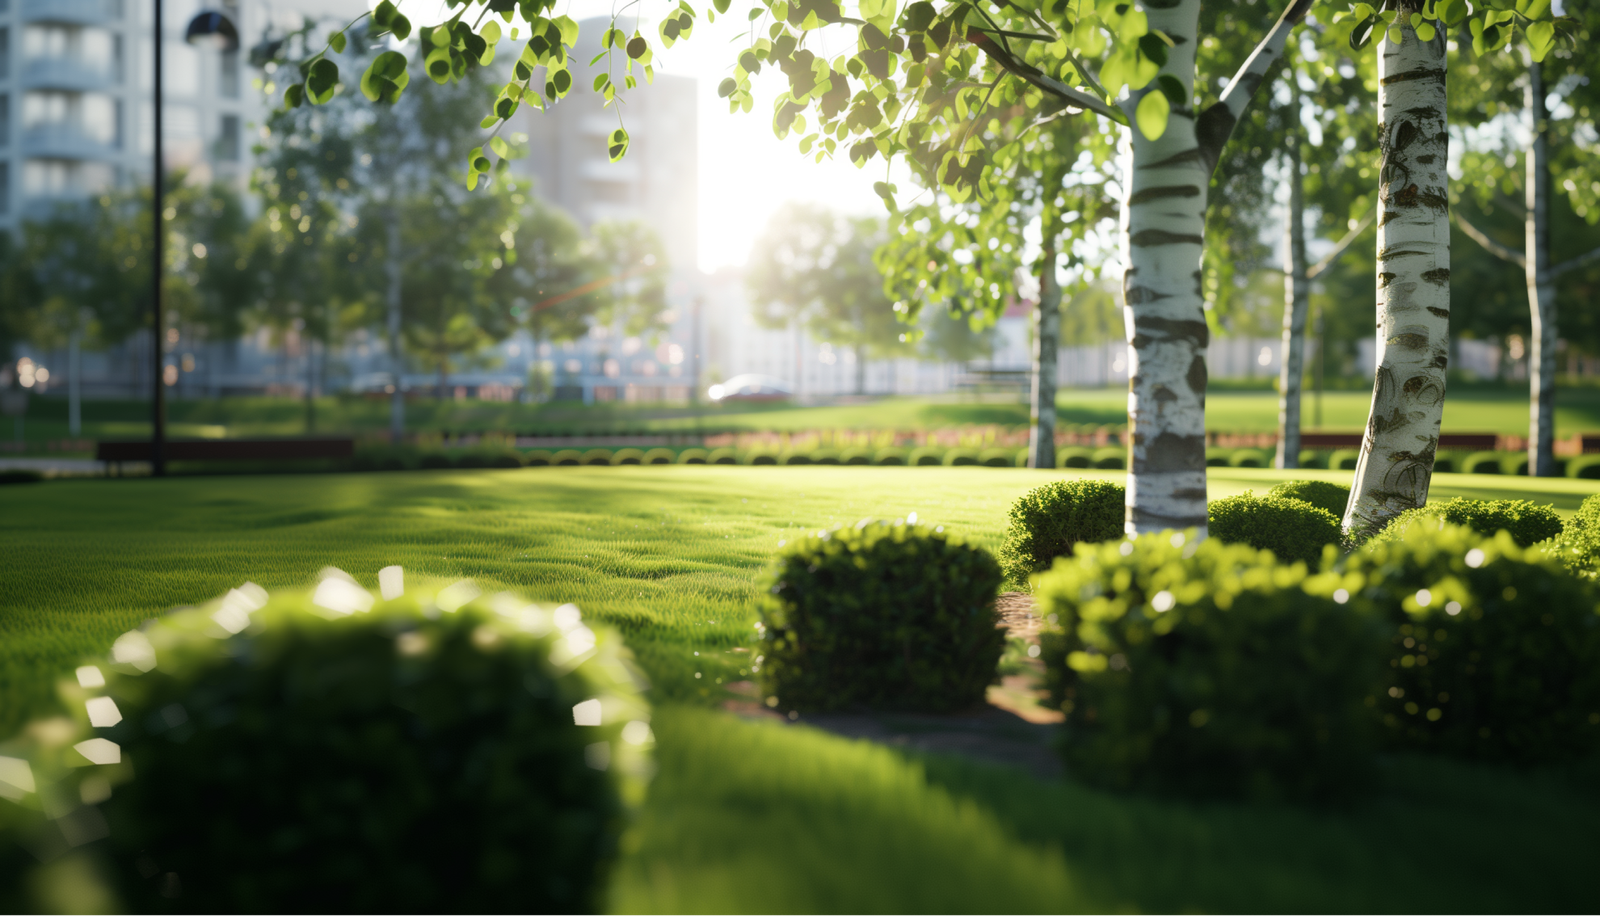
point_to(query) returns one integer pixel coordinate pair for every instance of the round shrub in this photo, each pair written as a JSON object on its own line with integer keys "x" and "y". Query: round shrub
{"x": 538, "y": 458}
{"x": 1494, "y": 650}
{"x": 434, "y": 461}
{"x": 890, "y": 457}
{"x": 1050, "y": 520}
{"x": 824, "y": 456}
{"x": 567, "y": 457}
{"x": 925, "y": 457}
{"x": 857, "y": 456}
{"x": 1526, "y": 521}
{"x": 597, "y": 456}
{"x": 1207, "y": 670}
{"x": 692, "y": 456}
{"x": 1578, "y": 544}
{"x": 1111, "y": 458}
{"x": 1445, "y": 462}
{"x": 997, "y": 458}
{"x": 882, "y": 616}
{"x": 1074, "y": 458}
{"x": 960, "y": 457}
{"x": 1218, "y": 457}
{"x": 658, "y": 456}
{"x": 392, "y": 463}
{"x": 1329, "y": 497}
{"x": 627, "y": 456}
{"x": 722, "y": 456}
{"x": 1344, "y": 459}
{"x": 19, "y": 475}
{"x": 766, "y": 458}
{"x": 438, "y": 751}
{"x": 1483, "y": 463}
{"x": 795, "y": 458}
{"x": 505, "y": 460}
{"x": 1295, "y": 531}
{"x": 1249, "y": 458}
{"x": 1311, "y": 460}
{"x": 1585, "y": 468}
{"x": 473, "y": 460}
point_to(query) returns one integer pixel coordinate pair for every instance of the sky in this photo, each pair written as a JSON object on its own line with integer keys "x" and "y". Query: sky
{"x": 746, "y": 172}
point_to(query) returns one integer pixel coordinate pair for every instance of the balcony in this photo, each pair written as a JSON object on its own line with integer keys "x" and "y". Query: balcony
{"x": 65, "y": 141}
{"x": 72, "y": 12}
{"x": 67, "y": 73}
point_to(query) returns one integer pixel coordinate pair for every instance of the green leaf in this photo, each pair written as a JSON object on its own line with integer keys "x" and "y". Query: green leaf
{"x": 568, "y": 28}
{"x": 1153, "y": 48}
{"x": 294, "y": 96}
{"x": 384, "y": 13}
{"x": 322, "y": 81}
{"x": 498, "y": 144}
{"x": 400, "y": 26}
{"x": 600, "y": 80}
{"x": 727, "y": 87}
{"x": 1426, "y": 31}
{"x": 491, "y": 32}
{"x": 637, "y": 46}
{"x": 1151, "y": 115}
{"x": 439, "y": 37}
{"x": 721, "y": 5}
{"x": 618, "y": 145}
{"x": 1172, "y": 88}
{"x": 1541, "y": 38}
{"x": 489, "y": 122}
{"x": 336, "y": 42}
{"x": 385, "y": 77}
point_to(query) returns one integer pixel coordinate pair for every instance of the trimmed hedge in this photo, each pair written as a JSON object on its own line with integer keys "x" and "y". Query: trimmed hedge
{"x": 1329, "y": 497}
{"x": 1312, "y": 460}
{"x": 761, "y": 458}
{"x": 438, "y": 752}
{"x": 1526, "y": 521}
{"x": 795, "y": 458}
{"x": 567, "y": 457}
{"x": 1483, "y": 463}
{"x": 435, "y": 461}
{"x": 890, "y": 457}
{"x": 1344, "y": 459}
{"x": 1294, "y": 530}
{"x": 1578, "y": 544}
{"x": 960, "y": 457}
{"x": 596, "y": 456}
{"x": 1585, "y": 468}
{"x": 857, "y": 456}
{"x": 16, "y": 476}
{"x": 1207, "y": 670}
{"x": 881, "y": 616}
{"x": 692, "y": 456}
{"x": 538, "y": 458}
{"x": 1051, "y": 520}
{"x": 998, "y": 458}
{"x": 627, "y": 456}
{"x": 824, "y": 456}
{"x": 1249, "y": 458}
{"x": 722, "y": 456}
{"x": 658, "y": 456}
{"x": 1074, "y": 458}
{"x": 1111, "y": 458}
{"x": 925, "y": 457}
{"x": 1494, "y": 649}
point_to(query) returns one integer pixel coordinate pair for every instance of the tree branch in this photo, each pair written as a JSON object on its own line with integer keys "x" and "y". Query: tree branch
{"x": 1574, "y": 263}
{"x": 1216, "y": 123}
{"x": 1035, "y": 76}
{"x": 1490, "y": 245}
{"x": 1343, "y": 244}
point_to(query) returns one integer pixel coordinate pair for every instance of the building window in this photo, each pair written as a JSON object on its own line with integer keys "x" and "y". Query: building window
{"x": 5, "y": 120}
{"x": 5, "y": 52}
{"x": 5, "y": 187}
{"x": 228, "y": 139}
{"x": 228, "y": 64}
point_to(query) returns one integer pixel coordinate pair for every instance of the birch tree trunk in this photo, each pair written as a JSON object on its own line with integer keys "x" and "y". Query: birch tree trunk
{"x": 74, "y": 384}
{"x": 397, "y": 398}
{"x": 1541, "y": 284}
{"x": 1413, "y": 284}
{"x": 1163, "y": 222}
{"x": 1046, "y": 350}
{"x": 1296, "y": 304}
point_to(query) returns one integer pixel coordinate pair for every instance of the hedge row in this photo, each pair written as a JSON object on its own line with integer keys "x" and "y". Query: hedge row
{"x": 1446, "y": 462}
{"x": 998, "y": 457}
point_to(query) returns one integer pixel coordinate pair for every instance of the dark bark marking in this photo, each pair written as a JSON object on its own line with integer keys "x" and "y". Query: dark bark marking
{"x": 1439, "y": 276}
{"x": 1179, "y": 522}
{"x": 1424, "y": 389}
{"x": 1389, "y": 215}
{"x": 1184, "y": 158}
{"x": 1139, "y": 295}
{"x": 1150, "y": 238}
{"x": 1436, "y": 74}
{"x": 1196, "y": 333}
{"x": 1428, "y": 159}
{"x": 1170, "y": 452}
{"x": 1439, "y": 313}
{"x": 1411, "y": 340}
{"x": 1164, "y": 395}
{"x": 1189, "y": 493}
{"x": 1176, "y": 190}
{"x": 1404, "y": 136}
{"x": 1441, "y": 360}
{"x": 1384, "y": 278}
{"x": 1388, "y": 253}
{"x": 1197, "y": 376}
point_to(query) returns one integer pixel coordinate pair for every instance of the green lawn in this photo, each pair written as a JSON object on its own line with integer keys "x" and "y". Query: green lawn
{"x": 760, "y": 816}
{"x": 1470, "y": 409}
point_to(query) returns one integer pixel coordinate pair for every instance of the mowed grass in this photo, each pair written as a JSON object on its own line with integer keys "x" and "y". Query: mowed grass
{"x": 1480, "y": 408}
{"x": 748, "y": 816}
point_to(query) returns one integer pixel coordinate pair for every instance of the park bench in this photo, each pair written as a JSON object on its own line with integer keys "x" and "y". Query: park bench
{"x": 226, "y": 450}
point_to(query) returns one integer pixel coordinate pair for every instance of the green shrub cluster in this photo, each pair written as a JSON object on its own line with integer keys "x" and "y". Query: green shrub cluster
{"x": 438, "y": 751}
{"x": 1329, "y": 497}
{"x": 1294, "y": 530}
{"x": 1527, "y": 522}
{"x": 1049, "y": 521}
{"x": 880, "y": 615}
{"x": 1493, "y": 650}
{"x": 1207, "y": 669}
{"x": 1578, "y": 544}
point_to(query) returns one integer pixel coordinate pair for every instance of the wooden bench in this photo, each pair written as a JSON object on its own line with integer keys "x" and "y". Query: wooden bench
{"x": 226, "y": 450}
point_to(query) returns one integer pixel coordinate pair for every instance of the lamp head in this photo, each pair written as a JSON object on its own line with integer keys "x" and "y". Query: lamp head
{"x": 213, "y": 29}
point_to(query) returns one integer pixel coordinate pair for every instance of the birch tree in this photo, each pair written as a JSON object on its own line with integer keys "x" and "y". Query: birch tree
{"x": 1395, "y": 467}
{"x": 1566, "y": 77}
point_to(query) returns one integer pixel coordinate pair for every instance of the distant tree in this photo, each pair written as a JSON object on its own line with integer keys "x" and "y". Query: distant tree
{"x": 815, "y": 269}
{"x": 949, "y": 335}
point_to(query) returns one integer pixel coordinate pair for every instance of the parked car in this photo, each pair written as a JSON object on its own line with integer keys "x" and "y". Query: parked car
{"x": 751, "y": 388}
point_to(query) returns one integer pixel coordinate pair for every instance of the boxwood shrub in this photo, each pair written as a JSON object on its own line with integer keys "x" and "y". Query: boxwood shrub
{"x": 1330, "y": 497}
{"x": 1483, "y": 463}
{"x": 1578, "y": 544}
{"x": 824, "y": 456}
{"x": 1312, "y": 460}
{"x": 1527, "y": 521}
{"x": 437, "y": 751}
{"x": 1249, "y": 458}
{"x": 538, "y": 458}
{"x": 627, "y": 456}
{"x": 722, "y": 456}
{"x": 925, "y": 457}
{"x": 1111, "y": 458}
{"x": 567, "y": 457}
{"x": 881, "y": 616}
{"x": 1344, "y": 459}
{"x": 435, "y": 461}
{"x": 1050, "y": 520}
{"x": 1294, "y": 530}
{"x": 795, "y": 457}
{"x": 599, "y": 456}
{"x": 658, "y": 456}
{"x": 1585, "y": 468}
{"x": 692, "y": 456}
{"x": 1493, "y": 651}
{"x": 1074, "y": 458}
{"x": 890, "y": 456}
{"x": 761, "y": 457}
{"x": 1207, "y": 670}
{"x": 960, "y": 457}
{"x": 998, "y": 458}
{"x": 856, "y": 456}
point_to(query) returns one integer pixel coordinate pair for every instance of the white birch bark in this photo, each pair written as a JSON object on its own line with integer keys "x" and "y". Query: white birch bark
{"x": 1296, "y": 305}
{"x": 1541, "y": 284}
{"x": 1046, "y": 350}
{"x": 1413, "y": 285}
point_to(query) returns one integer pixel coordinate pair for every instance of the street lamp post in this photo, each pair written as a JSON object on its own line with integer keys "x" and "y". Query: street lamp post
{"x": 219, "y": 30}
